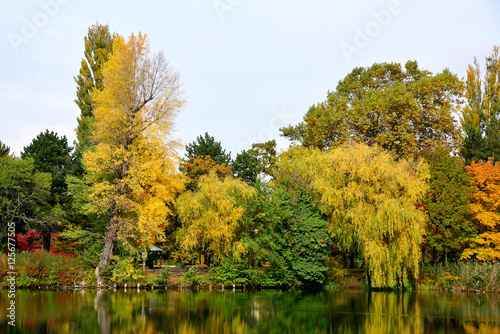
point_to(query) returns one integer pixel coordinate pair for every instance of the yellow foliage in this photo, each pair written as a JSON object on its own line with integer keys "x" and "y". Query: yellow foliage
{"x": 133, "y": 167}
{"x": 371, "y": 203}
{"x": 212, "y": 215}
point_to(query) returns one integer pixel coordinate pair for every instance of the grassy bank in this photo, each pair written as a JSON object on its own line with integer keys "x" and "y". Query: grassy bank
{"x": 41, "y": 269}
{"x": 461, "y": 276}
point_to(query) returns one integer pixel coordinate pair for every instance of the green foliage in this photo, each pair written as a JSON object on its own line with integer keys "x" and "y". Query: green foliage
{"x": 448, "y": 206}
{"x": 45, "y": 269}
{"x": 125, "y": 271}
{"x": 463, "y": 276}
{"x": 24, "y": 193}
{"x": 306, "y": 242}
{"x": 51, "y": 154}
{"x": 204, "y": 146}
{"x": 403, "y": 110}
{"x": 159, "y": 280}
{"x": 335, "y": 273}
{"x": 192, "y": 277}
{"x": 98, "y": 46}
{"x": 231, "y": 272}
{"x": 246, "y": 167}
{"x": 259, "y": 160}
{"x": 4, "y": 149}
{"x": 292, "y": 236}
{"x": 90, "y": 246}
{"x": 480, "y": 117}
{"x": 370, "y": 200}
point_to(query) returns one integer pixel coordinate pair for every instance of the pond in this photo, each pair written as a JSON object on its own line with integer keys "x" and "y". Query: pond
{"x": 266, "y": 311}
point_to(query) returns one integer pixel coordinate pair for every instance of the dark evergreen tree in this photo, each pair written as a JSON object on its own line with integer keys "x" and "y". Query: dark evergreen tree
{"x": 4, "y": 149}
{"x": 207, "y": 146}
{"x": 52, "y": 155}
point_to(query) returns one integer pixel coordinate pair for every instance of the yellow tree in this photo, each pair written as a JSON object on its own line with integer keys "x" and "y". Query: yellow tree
{"x": 212, "y": 216}
{"x": 485, "y": 182}
{"x": 370, "y": 199}
{"x": 132, "y": 171}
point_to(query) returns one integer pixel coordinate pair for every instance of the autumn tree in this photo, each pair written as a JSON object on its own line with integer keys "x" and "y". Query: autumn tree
{"x": 370, "y": 201}
{"x": 132, "y": 170}
{"x": 212, "y": 216}
{"x": 480, "y": 117}
{"x": 403, "y": 110}
{"x": 202, "y": 165}
{"x": 52, "y": 155}
{"x": 447, "y": 203}
{"x": 202, "y": 156}
{"x": 485, "y": 183}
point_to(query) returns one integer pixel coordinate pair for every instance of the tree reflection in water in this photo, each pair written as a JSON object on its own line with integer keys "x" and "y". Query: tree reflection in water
{"x": 268, "y": 311}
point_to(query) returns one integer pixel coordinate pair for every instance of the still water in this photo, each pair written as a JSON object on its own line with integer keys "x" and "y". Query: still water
{"x": 135, "y": 311}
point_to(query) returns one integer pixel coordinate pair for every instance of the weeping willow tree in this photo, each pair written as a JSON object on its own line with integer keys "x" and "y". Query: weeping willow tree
{"x": 371, "y": 200}
{"x": 212, "y": 216}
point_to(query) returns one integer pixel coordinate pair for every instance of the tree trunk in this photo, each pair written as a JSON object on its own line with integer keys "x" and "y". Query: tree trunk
{"x": 107, "y": 252}
{"x": 45, "y": 237}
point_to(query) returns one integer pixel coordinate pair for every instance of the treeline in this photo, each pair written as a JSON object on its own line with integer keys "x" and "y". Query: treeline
{"x": 381, "y": 176}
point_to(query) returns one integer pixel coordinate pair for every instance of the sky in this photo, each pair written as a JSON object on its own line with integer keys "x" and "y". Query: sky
{"x": 248, "y": 67}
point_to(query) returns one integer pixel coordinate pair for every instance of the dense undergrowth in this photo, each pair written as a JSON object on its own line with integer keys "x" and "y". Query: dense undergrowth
{"x": 43, "y": 269}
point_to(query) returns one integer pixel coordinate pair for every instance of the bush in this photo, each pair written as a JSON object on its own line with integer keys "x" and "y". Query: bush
{"x": 230, "y": 272}
{"x": 192, "y": 277}
{"x": 278, "y": 277}
{"x": 125, "y": 272}
{"x": 335, "y": 274}
{"x": 45, "y": 269}
{"x": 159, "y": 280}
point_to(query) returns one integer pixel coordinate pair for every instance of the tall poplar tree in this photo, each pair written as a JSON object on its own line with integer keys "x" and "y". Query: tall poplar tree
{"x": 132, "y": 170}
{"x": 480, "y": 118}
{"x": 98, "y": 46}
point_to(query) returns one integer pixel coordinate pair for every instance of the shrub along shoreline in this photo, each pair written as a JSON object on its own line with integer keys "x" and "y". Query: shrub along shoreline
{"x": 42, "y": 270}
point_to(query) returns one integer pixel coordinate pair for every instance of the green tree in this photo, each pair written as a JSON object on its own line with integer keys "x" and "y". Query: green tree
{"x": 448, "y": 206}
{"x": 246, "y": 166}
{"x": 4, "y": 149}
{"x": 98, "y": 47}
{"x": 259, "y": 160}
{"x": 301, "y": 240}
{"x": 370, "y": 200}
{"x": 23, "y": 194}
{"x": 207, "y": 146}
{"x": 403, "y": 110}
{"x": 52, "y": 155}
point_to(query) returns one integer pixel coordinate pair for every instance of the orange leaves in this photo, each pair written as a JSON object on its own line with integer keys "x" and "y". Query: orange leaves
{"x": 485, "y": 207}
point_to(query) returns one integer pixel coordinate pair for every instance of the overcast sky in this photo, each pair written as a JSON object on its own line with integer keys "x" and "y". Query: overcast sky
{"x": 248, "y": 67}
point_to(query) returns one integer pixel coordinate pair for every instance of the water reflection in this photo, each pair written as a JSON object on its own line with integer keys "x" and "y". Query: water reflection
{"x": 250, "y": 312}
